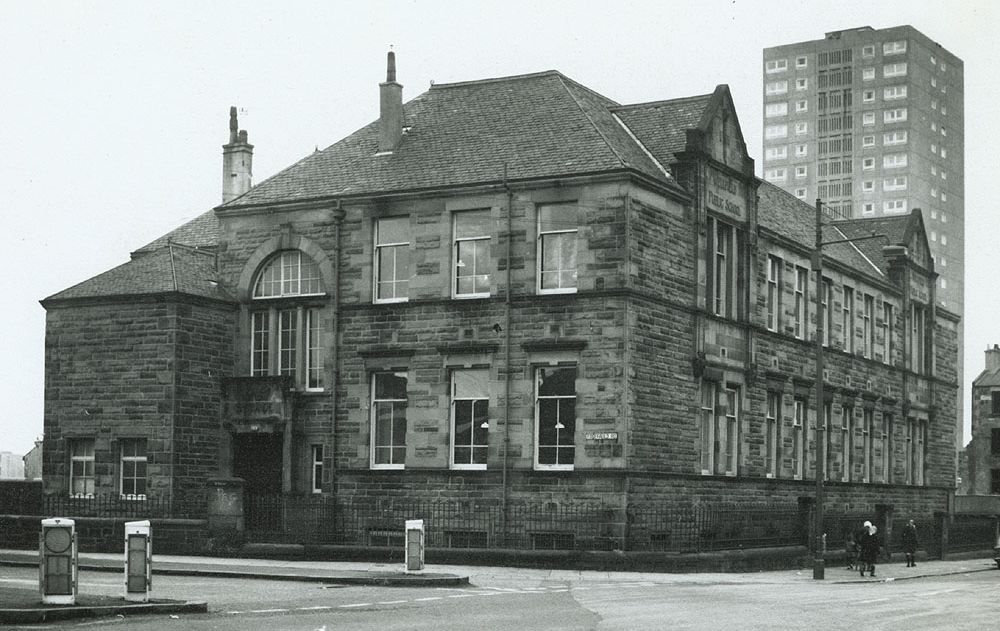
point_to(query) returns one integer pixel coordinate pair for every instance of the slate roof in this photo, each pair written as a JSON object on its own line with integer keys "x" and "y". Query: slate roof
{"x": 169, "y": 269}
{"x": 200, "y": 232}
{"x": 783, "y": 213}
{"x": 987, "y": 378}
{"x": 538, "y": 125}
{"x": 896, "y": 229}
{"x": 663, "y": 125}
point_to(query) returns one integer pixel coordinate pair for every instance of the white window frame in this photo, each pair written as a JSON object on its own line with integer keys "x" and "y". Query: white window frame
{"x": 801, "y": 302}
{"x": 779, "y": 152}
{"x": 292, "y": 272}
{"x": 81, "y": 453}
{"x": 898, "y": 137}
{"x": 400, "y": 281}
{"x": 898, "y": 69}
{"x": 801, "y": 193}
{"x": 558, "y": 446}
{"x": 776, "y": 131}
{"x": 897, "y": 47}
{"x": 868, "y": 50}
{"x": 894, "y": 161}
{"x": 476, "y": 242}
{"x": 894, "y": 206}
{"x": 799, "y": 421}
{"x": 801, "y": 61}
{"x": 732, "y": 429}
{"x": 847, "y": 441}
{"x": 316, "y": 468}
{"x": 868, "y": 96}
{"x": 776, "y": 174}
{"x": 290, "y": 342}
{"x": 867, "y": 163}
{"x": 376, "y": 405}
{"x": 778, "y": 108}
{"x": 562, "y": 235}
{"x": 772, "y": 435}
{"x": 868, "y": 74}
{"x": 775, "y": 268}
{"x": 802, "y": 105}
{"x": 802, "y": 83}
{"x": 896, "y": 115}
{"x": 801, "y": 171}
{"x": 867, "y": 208}
{"x": 801, "y": 150}
{"x": 801, "y": 128}
{"x": 773, "y": 66}
{"x": 868, "y": 141}
{"x": 133, "y": 460}
{"x": 867, "y": 428}
{"x": 475, "y": 400}
{"x": 897, "y": 183}
{"x": 773, "y": 88}
{"x": 868, "y": 118}
{"x": 893, "y": 92}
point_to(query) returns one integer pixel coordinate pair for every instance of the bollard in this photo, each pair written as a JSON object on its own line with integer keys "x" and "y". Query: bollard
{"x": 57, "y": 561}
{"x": 414, "y": 545}
{"x": 138, "y": 561}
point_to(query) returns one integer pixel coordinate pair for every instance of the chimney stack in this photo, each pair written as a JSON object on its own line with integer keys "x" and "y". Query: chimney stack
{"x": 237, "y": 161}
{"x": 993, "y": 358}
{"x": 390, "y": 109}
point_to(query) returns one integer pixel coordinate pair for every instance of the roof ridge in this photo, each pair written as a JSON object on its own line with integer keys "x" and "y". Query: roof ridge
{"x": 663, "y": 101}
{"x": 516, "y": 77}
{"x": 593, "y": 124}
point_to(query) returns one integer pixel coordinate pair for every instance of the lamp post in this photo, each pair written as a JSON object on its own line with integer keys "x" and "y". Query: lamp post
{"x": 819, "y": 562}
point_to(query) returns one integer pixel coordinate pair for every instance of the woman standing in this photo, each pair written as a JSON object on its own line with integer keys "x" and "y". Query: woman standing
{"x": 869, "y": 545}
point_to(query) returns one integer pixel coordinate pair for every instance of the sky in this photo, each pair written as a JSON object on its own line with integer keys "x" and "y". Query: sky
{"x": 113, "y": 114}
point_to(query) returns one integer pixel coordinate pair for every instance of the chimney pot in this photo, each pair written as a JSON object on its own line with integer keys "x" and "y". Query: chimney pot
{"x": 237, "y": 161}
{"x": 390, "y": 108}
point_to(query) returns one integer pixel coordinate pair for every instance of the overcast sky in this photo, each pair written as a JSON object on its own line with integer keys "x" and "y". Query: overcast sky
{"x": 112, "y": 114}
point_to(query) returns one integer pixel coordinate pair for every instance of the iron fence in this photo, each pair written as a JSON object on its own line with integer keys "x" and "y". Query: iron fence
{"x": 526, "y": 526}
{"x": 110, "y": 506}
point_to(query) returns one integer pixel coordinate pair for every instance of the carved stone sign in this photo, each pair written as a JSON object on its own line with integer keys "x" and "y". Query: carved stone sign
{"x": 725, "y": 194}
{"x": 601, "y": 435}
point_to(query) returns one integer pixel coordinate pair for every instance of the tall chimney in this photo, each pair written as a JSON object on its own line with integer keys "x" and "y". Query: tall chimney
{"x": 390, "y": 120}
{"x": 993, "y": 358}
{"x": 237, "y": 161}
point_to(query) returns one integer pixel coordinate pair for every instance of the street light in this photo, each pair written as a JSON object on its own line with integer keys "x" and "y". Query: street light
{"x": 819, "y": 563}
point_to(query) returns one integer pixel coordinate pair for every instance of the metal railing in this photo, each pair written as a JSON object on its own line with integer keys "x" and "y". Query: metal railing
{"x": 110, "y": 506}
{"x": 530, "y": 525}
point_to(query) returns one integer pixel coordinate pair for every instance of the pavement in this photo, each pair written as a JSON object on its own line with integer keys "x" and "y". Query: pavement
{"x": 21, "y": 605}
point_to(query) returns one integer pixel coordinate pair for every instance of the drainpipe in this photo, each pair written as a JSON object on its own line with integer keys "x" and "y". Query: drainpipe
{"x": 338, "y": 219}
{"x": 506, "y": 354}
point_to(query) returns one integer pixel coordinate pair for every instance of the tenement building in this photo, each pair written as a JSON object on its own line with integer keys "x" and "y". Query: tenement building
{"x": 506, "y": 290}
{"x": 872, "y": 121}
{"x": 984, "y": 449}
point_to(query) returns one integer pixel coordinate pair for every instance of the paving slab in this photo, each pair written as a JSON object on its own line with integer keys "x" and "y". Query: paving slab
{"x": 24, "y": 606}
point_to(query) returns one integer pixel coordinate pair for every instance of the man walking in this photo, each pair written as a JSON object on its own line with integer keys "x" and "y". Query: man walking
{"x": 910, "y": 543}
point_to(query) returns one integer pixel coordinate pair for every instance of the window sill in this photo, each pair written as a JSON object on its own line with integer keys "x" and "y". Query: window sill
{"x": 553, "y": 467}
{"x": 386, "y": 467}
{"x": 390, "y": 301}
{"x": 132, "y": 497}
{"x": 470, "y": 296}
{"x": 468, "y": 467}
{"x": 556, "y": 292}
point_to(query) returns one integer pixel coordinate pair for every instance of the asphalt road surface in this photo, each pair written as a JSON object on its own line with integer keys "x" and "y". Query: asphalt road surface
{"x": 966, "y": 601}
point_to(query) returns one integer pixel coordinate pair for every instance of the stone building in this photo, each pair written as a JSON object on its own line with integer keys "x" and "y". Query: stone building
{"x": 505, "y": 289}
{"x": 984, "y": 448}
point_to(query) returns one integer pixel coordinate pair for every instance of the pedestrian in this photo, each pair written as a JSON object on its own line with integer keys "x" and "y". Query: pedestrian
{"x": 851, "y": 549}
{"x": 869, "y": 545}
{"x": 910, "y": 543}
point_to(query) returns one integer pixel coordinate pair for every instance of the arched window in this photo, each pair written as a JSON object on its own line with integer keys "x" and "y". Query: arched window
{"x": 287, "y": 336}
{"x": 288, "y": 273}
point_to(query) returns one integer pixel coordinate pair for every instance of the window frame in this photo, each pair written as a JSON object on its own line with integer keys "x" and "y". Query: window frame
{"x": 378, "y": 251}
{"x": 847, "y": 441}
{"x": 571, "y": 236}
{"x": 133, "y": 460}
{"x": 800, "y": 419}
{"x": 316, "y": 468}
{"x": 473, "y": 445}
{"x": 801, "y": 292}
{"x": 374, "y": 462}
{"x": 772, "y": 435}
{"x": 87, "y": 456}
{"x": 559, "y": 446}
{"x": 483, "y": 240}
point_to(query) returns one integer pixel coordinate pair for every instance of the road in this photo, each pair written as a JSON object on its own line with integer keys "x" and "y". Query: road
{"x": 966, "y": 601}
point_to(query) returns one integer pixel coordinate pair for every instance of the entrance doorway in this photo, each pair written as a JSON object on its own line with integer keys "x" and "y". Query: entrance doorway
{"x": 257, "y": 458}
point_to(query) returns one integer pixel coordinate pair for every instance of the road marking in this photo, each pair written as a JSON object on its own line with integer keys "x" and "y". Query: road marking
{"x": 426, "y": 599}
{"x": 940, "y": 591}
{"x": 356, "y": 605}
{"x": 235, "y": 613}
{"x": 268, "y": 611}
{"x": 873, "y": 601}
{"x": 316, "y": 608}
{"x": 391, "y": 602}
{"x": 461, "y": 595}
{"x": 20, "y": 580}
